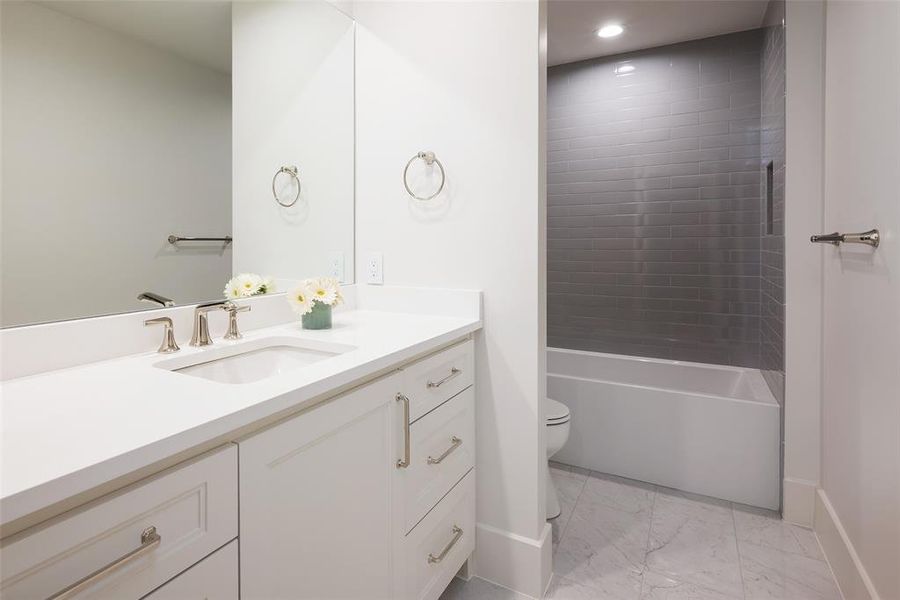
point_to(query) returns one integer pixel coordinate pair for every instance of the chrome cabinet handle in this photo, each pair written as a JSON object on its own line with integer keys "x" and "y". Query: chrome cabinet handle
{"x": 404, "y": 462}
{"x": 870, "y": 238}
{"x": 453, "y": 373}
{"x": 457, "y": 533}
{"x": 455, "y": 443}
{"x": 149, "y": 541}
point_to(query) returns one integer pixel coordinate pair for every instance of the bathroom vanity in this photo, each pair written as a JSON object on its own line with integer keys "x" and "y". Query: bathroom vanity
{"x": 350, "y": 476}
{"x": 284, "y": 464}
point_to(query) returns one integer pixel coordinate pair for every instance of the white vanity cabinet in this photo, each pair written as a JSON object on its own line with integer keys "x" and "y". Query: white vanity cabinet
{"x": 369, "y": 495}
{"x": 105, "y": 550}
{"x": 315, "y": 500}
{"x": 435, "y": 493}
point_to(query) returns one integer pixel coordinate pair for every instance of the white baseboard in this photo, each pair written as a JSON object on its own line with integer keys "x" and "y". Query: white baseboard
{"x": 513, "y": 561}
{"x": 849, "y": 571}
{"x": 799, "y": 501}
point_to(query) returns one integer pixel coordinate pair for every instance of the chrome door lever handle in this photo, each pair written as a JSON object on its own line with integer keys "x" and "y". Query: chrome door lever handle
{"x": 870, "y": 238}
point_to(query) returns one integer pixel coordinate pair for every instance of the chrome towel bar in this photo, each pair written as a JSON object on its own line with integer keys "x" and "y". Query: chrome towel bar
{"x": 870, "y": 238}
{"x": 174, "y": 239}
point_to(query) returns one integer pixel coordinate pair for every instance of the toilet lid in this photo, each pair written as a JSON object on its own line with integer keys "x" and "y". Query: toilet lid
{"x": 556, "y": 411}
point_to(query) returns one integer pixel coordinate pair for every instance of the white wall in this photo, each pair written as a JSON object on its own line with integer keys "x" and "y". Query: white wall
{"x": 861, "y": 375}
{"x": 293, "y": 105}
{"x": 463, "y": 80}
{"x": 109, "y": 145}
{"x": 804, "y": 106}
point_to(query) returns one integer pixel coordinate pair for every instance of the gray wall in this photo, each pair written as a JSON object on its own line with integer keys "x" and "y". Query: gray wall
{"x": 654, "y": 202}
{"x": 772, "y": 251}
{"x": 110, "y": 145}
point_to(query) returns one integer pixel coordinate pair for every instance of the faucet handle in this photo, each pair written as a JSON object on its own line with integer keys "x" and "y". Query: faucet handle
{"x": 168, "y": 344}
{"x": 233, "y": 309}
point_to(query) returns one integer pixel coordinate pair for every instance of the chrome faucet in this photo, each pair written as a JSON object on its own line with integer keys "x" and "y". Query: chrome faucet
{"x": 155, "y": 299}
{"x": 168, "y": 344}
{"x": 200, "y": 336}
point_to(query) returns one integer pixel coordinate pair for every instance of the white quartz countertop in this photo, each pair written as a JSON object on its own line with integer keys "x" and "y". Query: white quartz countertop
{"x": 65, "y": 432}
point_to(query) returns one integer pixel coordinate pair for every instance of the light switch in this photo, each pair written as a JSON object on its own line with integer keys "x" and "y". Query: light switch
{"x": 375, "y": 268}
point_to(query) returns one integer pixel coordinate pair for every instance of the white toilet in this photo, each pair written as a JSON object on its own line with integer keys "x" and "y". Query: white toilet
{"x": 557, "y": 417}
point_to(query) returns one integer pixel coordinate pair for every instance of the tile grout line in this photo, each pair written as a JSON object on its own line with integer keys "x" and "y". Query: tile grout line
{"x": 737, "y": 546}
{"x": 649, "y": 537}
{"x": 563, "y": 531}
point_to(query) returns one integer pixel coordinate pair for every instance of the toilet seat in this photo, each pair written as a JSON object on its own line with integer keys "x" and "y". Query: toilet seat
{"x": 556, "y": 413}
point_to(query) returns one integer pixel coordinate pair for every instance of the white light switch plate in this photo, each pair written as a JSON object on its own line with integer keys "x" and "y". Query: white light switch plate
{"x": 336, "y": 265}
{"x": 375, "y": 268}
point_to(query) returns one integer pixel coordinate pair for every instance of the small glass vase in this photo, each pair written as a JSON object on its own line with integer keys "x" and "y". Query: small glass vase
{"x": 318, "y": 318}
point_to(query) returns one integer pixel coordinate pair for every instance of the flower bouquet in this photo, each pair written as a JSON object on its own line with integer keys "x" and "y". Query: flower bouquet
{"x": 313, "y": 300}
{"x": 246, "y": 285}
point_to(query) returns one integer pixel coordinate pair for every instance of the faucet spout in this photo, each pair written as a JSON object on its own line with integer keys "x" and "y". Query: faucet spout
{"x": 200, "y": 335}
{"x": 155, "y": 298}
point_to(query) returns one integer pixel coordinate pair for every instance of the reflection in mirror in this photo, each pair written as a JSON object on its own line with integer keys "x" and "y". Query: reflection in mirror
{"x": 130, "y": 127}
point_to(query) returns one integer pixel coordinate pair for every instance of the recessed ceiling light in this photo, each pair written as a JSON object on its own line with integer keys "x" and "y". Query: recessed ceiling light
{"x": 611, "y": 30}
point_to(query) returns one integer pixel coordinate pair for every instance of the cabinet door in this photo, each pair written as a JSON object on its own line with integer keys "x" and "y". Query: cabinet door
{"x": 213, "y": 578}
{"x": 315, "y": 501}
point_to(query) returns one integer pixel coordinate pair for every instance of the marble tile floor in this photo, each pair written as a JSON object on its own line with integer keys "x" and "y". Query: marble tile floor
{"x": 619, "y": 539}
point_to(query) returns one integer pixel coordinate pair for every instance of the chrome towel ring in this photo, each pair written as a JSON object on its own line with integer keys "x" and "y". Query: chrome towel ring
{"x": 292, "y": 171}
{"x": 430, "y": 159}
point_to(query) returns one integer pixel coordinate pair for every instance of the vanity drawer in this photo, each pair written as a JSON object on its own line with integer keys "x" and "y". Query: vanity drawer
{"x": 434, "y": 380}
{"x": 193, "y": 508}
{"x": 213, "y": 578}
{"x": 435, "y": 550}
{"x": 442, "y": 450}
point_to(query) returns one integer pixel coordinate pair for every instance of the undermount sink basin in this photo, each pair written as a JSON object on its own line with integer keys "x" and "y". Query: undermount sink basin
{"x": 254, "y": 360}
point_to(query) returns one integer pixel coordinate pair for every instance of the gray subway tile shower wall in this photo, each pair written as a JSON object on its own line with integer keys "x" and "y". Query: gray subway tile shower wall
{"x": 772, "y": 232}
{"x": 654, "y": 204}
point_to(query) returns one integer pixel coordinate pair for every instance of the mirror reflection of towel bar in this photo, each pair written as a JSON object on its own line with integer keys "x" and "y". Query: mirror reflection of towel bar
{"x": 174, "y": 239}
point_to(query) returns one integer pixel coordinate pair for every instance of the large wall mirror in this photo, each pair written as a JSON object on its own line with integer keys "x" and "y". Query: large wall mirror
{"x": 126, "y": 122}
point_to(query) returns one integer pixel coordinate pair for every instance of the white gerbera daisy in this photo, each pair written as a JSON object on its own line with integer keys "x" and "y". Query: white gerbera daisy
{"x": 323, "y": 290}
{"x": 248, "y": 283}
{"x": 301, "y": 299}
{"x": 232, "y": 290}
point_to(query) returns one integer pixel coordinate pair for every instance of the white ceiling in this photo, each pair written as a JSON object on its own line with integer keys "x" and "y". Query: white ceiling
{"x": 199, "y": 31}
{"x": 572, "y": 24}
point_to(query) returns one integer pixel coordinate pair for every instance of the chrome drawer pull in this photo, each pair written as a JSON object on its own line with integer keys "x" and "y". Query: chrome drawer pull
{"x": 455, "y": 443}
{"x": 149, "y": 541}
{"x": 402, "y": 463}
{"x": 436, "y": 384}
{"x": 457, "y": 533}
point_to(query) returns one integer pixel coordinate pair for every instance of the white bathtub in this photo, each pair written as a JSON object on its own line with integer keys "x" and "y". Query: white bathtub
{"x": 707, "y": 429}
